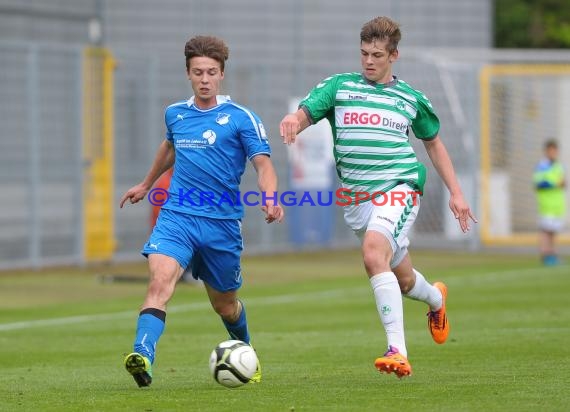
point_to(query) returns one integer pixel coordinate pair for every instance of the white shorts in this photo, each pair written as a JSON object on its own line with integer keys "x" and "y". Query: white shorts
{"x": 392, "y": 215}
{"x": 551, "y": 224}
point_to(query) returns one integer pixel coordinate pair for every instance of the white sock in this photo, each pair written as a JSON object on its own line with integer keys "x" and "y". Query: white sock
{"x": 389, "y": 305}
{"x": 425, "y": 292}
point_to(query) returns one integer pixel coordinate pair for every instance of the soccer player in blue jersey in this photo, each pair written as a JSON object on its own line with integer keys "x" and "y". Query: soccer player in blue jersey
{"x": 209, "y": 138}
{"x": 371, "y": 113}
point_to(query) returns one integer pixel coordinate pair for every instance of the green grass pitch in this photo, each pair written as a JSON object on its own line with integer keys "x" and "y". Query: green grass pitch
{"x": 63, "y": 334}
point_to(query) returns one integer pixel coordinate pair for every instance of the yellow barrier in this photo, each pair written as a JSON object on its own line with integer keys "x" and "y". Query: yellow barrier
{"x": 98, "y": 157}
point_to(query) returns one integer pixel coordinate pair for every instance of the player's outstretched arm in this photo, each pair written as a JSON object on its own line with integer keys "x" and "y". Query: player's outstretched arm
{"x": 163, "y": 161}
{"x": 293, "y": 124}
{"x": 442, "y": 162}
{"x": 267, "y": 183}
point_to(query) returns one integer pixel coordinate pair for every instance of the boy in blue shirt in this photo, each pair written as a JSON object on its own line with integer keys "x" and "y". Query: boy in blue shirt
{"x": 550, "y": 184}
{"x": 209, "y": 138}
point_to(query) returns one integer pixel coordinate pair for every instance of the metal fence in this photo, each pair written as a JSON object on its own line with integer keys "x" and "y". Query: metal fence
{"x": 40, "y": 160}
{"x": 43, "y": 161}
{"x": 45, "y": 167}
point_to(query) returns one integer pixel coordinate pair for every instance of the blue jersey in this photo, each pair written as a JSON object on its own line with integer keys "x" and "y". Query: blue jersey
{"x": 211, "y": 147}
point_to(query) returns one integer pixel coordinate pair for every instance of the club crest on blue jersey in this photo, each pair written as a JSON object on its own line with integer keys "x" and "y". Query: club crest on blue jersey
{"x": 223, "y": 118}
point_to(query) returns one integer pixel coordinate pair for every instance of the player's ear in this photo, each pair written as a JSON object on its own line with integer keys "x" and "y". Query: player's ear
{"x": 394, "y": 56}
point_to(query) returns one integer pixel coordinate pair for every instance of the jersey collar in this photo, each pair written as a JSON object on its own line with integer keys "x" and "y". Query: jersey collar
{"x": 389, "y": 84}
{"x": 220, "y": 99}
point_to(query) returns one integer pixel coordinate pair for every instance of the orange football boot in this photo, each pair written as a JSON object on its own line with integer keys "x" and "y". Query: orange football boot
{"x": 394, "y": 361}
{"x": 437, "y": 320}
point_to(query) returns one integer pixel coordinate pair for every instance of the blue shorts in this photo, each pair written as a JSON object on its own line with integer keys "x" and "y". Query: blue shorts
{"x": 212, "y": 247}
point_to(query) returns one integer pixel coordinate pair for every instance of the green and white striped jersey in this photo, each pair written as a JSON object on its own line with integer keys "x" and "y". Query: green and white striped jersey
{"x": 370, "y": 125}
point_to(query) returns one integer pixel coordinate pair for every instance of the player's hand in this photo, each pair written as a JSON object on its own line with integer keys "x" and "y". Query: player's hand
{"x": 273, "y": 213}
{"x": 289, "y": 127}
{"x": 461, "y": 211}
{"x": 134, "y": 194}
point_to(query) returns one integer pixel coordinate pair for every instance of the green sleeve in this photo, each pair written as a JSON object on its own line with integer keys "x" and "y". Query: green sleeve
{"x": 426, "y": 123}
{"x": 321, "y": 99}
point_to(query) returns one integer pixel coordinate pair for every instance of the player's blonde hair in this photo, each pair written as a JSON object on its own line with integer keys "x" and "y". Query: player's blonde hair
{"x": 381, "y": 28}
{"x": 206, "y": 46}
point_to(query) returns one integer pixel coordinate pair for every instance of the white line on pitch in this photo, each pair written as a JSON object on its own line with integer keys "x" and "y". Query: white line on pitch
{"x": 264, "y": 301}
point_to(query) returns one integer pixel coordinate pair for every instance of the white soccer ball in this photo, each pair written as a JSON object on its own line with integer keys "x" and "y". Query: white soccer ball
{"x": 233, "y": 363}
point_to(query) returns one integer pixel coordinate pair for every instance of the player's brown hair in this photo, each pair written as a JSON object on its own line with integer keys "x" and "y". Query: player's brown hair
{"x": 381, "y": 28}
{"x": 551, "y": 143}
{"x": 206, "y": 46}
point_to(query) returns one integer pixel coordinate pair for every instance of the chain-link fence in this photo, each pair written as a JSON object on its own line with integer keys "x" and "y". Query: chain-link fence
{"x": 44, "y": 158}
{"x": 278, "y": 51}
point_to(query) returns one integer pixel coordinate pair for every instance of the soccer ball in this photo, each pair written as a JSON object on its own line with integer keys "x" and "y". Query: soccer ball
{"x": 233, "y": 363}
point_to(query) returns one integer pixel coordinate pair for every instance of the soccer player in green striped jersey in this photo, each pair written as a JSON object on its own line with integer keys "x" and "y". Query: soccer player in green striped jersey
{"x": 371, "y": 113}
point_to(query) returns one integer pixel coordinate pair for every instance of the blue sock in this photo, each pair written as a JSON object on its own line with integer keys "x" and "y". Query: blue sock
{"x": 238, "y": 330}
{"x": 551, "y": 260}
{"x": 150, "y": 326}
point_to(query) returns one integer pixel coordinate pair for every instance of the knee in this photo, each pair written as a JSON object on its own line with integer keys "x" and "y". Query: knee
{"x": 375, "y": 259}
{"x": 371, "y": 261}
{"x": 228, "y": 311}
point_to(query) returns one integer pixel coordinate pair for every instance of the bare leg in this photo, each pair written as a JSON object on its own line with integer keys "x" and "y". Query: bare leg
{"x": 405, "y": 274}
{"x": 414, "y": 286}
{"x": 232, "y": 312}
{"x": 225, "y": 304}
{"x": 164, "y": 273}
